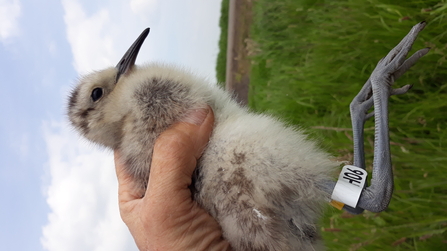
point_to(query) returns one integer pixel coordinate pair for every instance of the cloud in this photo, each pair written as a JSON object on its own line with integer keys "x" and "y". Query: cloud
{"x": 91, "y": 47}
{"x": 182, "y": 33}
{"x": 82, "y": 195}
{"x": 143, "y": 7}
{"x": 10, "y": 11}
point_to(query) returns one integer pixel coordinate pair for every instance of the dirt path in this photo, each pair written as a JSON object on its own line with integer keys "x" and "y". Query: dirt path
{"x": 238, "y": 63}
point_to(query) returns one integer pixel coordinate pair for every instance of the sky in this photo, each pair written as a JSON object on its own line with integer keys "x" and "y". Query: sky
{"x": 58, "y": 191}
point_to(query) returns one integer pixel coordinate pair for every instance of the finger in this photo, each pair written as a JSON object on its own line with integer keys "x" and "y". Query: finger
{"x": 176, "y": 152}
{"x": 200, "y": 138}
{"x": 126, "y": 184}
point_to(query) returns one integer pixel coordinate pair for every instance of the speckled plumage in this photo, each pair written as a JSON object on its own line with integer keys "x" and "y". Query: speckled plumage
{"x": 260, "y": 179}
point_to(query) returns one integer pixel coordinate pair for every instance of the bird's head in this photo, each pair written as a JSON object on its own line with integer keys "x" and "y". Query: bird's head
{"x": 93, "y": 108}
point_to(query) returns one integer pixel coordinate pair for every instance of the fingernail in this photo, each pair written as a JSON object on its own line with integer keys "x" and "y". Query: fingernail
{"x": 196, "y": 116}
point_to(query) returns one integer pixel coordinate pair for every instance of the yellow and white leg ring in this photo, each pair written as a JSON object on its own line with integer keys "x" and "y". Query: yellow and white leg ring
{"x": 349, "y": 186}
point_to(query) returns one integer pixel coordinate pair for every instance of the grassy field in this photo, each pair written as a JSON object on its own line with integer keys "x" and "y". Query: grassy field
{"x": 312, "y": 57}
{"x": 222, "y": 56}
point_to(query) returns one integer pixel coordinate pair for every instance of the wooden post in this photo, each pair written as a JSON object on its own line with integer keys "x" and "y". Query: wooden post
{"x": 238, "y": 65}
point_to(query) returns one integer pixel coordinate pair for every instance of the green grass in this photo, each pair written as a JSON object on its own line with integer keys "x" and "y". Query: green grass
{"x": 312, "y": 59}
{"x": 222, "y": 55}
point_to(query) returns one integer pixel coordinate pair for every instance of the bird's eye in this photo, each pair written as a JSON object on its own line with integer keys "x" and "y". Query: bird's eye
{"x": 96, "y": 94}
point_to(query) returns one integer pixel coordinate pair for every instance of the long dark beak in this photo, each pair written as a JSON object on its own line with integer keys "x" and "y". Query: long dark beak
{"x": 128, "y": 60}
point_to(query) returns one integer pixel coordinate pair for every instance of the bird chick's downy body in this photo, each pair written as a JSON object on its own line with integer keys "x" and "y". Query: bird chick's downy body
{"x": 260, "y": 179}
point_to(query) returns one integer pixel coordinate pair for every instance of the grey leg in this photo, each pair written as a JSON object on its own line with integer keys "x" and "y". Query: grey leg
{"x": 376, "y": 91}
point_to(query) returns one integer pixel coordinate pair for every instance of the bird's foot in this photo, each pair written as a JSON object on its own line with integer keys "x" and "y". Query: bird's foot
{"x": 376, "y": 92}
{"x": 388, "y": 70}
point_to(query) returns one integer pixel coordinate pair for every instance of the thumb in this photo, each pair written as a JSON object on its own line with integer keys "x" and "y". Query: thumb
{"x": 176, "y": 152}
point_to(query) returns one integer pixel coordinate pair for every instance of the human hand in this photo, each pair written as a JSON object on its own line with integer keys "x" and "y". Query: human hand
{"x": 167, "y": 218}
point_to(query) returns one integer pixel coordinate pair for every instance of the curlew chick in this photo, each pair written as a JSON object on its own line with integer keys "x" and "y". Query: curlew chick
{"x": 264, "y": 182}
